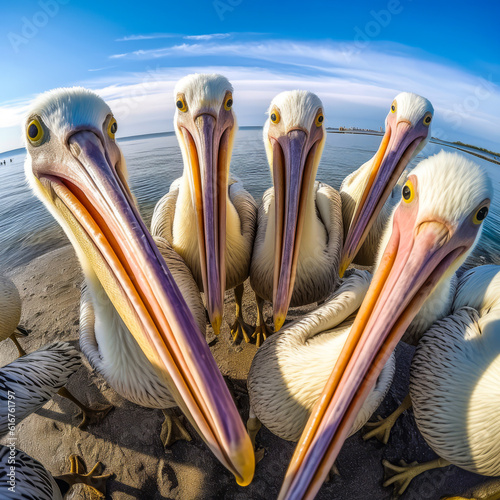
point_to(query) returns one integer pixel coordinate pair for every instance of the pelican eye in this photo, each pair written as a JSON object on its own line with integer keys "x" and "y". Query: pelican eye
{"x": 319, "y": 120}
{"x": 34, "y": 132}
{"x": 480, "y": 215}
{"x": 181, "y": 105}
{"x": 228, "y": 103}
{"x": 394, "y": 106}
{"x": 112, "y": 128}
{"x": 408, "y": 192}
{"x": 427, "y": 119}
{"x": 275, "y": 116}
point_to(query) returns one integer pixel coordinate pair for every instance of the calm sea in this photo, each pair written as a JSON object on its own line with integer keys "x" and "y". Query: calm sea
{"x": 27, "y": 230}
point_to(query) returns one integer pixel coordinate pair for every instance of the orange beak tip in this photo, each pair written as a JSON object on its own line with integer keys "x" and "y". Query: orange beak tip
{"x": 245, "y": 462}
{"x": 343, "y": 267}
{"x": 279, "y": 320}
{"x": 248, "y": 477}
{"x": 216, "y": 324}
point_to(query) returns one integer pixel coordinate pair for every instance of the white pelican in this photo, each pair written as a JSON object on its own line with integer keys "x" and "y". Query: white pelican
{"x": 10, "y": 313}
{"x": 32, "y": 481}
{"x": 454, "y": 383}
{"x": 290, "y": 370}
{"x": 139, "y": 382}
{"x": 297, "y": 248}
{"x": 207, "y": 216}
{"x": 433, "y": 230}
{"x": 364, "y": 192}
{"x": 145, "y": 334}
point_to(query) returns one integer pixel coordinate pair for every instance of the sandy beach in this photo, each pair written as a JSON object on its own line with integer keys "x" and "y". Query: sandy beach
{"x": 127, "y": 441}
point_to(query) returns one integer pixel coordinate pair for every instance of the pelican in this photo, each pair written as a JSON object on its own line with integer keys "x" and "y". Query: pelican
{"x": 430, "y": 234}
{"x": 364, "y": 192}
{"x": 33, "y": 481}
{"x": 26, "y": 385}
{"x": 290, "y": 370}
{"x": 99, "y": 352}
{"x": 147, "y": 338}
{"x": 454, "y": 383}
{"x": 299, "y": 232}
{"x": 207, "y": 216}
{"x": 10, "y": 313}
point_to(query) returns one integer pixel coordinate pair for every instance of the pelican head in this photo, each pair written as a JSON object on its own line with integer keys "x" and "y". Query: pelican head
{"x": 433, "y": 230}
{"x": 407, "y": 131}
{"x": 205, "y": 125}
{"x": 78, "y": 171}
{"x": 294, "y": 136}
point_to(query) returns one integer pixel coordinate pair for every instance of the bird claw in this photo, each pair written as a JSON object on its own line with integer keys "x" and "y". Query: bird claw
{"x": 173, "y": 430}
{"x": 398, "y": 475}
{"x": 261, "y": 333}
{"x": 259, "y": 455}
{"x": 381, "y": 429}
{"x": 21, "y": 331}
{"x": 78, "y": 475}
{"x": 240, "y": 330}
{"x": 93, "y": 416}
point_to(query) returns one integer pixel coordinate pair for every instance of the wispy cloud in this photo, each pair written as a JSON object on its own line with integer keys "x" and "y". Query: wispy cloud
{"x": 151, "y": 36}
{"x": 213, "y": 36}
{"x": 102, "y": 69}
{"x": 356, "y": 87}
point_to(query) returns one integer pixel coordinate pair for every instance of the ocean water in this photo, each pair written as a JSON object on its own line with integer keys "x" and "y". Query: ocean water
{"x": 27, "y": 230}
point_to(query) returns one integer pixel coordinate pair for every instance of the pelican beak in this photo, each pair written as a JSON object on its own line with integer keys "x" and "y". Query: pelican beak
{"x": 293, "y": 169}
{"x": 416, "y": 257}
{"x": 207, "y": 145}
{"x": 88, "y": 192}
{"x": 393, "y": 155}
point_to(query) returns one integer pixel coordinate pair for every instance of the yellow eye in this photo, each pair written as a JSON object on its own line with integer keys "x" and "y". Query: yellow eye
{"x": 319, "y": 120}
{"x": 112, "y": 128}
{"x": 408, "y": 192}
{"x": 427, "y": 119}
{"x": 181, "y": 104}
{"x": 229, "y": 102}
{"x": 35, "y": 132}
{"x": 394, "y": 106}
{"x": 275, "y": 116}
{"x": 480, "y": 215}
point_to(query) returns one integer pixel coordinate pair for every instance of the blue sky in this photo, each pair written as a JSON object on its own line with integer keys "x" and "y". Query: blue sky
{"x": 355, "y": 55}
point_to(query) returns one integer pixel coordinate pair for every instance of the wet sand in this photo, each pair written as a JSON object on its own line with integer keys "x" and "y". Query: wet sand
{"x": 127, "y": 441}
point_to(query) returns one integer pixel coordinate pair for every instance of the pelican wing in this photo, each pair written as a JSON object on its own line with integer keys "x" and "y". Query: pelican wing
{"x": 32, "y": 380}
{"x": 162, "y": 222}
{"x": 329, "y": 205}
{"x": 246, "y": 207}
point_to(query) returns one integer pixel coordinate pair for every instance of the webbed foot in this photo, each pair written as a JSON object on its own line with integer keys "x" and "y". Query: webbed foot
{"x": 173, "y": 429}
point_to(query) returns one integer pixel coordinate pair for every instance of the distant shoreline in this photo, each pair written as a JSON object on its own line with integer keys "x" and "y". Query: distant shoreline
{"x": 460, "y": 146}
